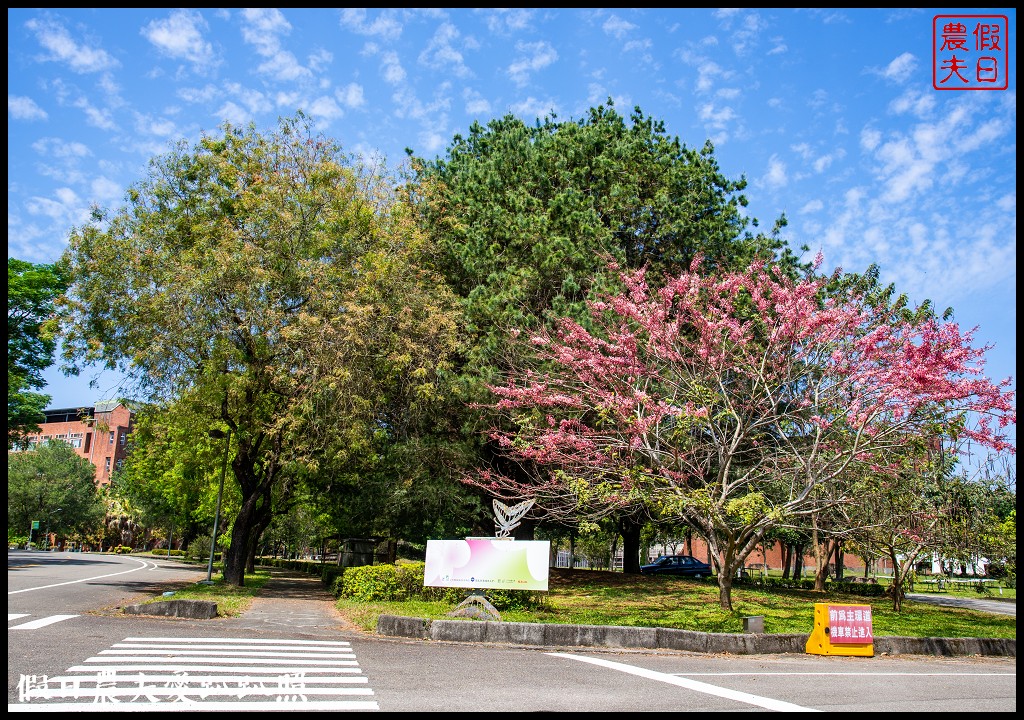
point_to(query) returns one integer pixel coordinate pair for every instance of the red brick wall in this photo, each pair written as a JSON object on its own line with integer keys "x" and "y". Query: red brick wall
{"x": 101, "y": 440}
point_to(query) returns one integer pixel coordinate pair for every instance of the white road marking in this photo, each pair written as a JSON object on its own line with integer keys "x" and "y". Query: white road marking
{"x": 236, "y": 678}
{"x": 192, "y": 706}
{"x": 15, "y": 616}
{"x": 748, "y": 698}
{"x": 143, "y": 566}
{"x": 42, "y": 622}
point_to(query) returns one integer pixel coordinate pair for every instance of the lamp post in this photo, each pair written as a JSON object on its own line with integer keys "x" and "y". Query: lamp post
{"x": 217, "y": 434}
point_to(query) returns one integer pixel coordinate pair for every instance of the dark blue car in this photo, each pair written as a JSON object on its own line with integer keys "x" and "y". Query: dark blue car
{"x": 678, "y": 565}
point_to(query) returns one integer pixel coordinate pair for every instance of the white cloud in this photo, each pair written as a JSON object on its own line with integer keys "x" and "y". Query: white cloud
{"x": 54, "y": 147}
{"x": 104, "y": 191}
{"x": 97, "y": 117}
{"x": 915, "y": 102}
{"x": 261, "y": 28}
{"x": 714, "y": 116}
{"x": 285, "y": 67}
{"x": 533, "y": 57}
{"x": 812, "y": 207}
{"x": 351, "y": 95}
{"x": 63, "y": 48}
{"x": 232, "y": 113}
{"x": 24, "y": 108}
{"x": 503, "y": 21}
{"x": 617, "y": 27}
{"x": 180, "y": 36}
{"x": 254, "y": 101}
{"x": 385, "y": 25}
{"x": 775, "y": 176}
{"x": 476, "y": 104}
{"x": 440, "y": 52}
{"x": 160, "y": 127}
{"x": 531, "y": 108}
{"x": 870, "y": 138}
{"x": 324, "y": 108}
{"x": 901, "y": 68}
{"x": 393, "y": 71}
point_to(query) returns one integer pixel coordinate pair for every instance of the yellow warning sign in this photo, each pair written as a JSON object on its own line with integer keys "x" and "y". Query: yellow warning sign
{"x": 841, "y": 630}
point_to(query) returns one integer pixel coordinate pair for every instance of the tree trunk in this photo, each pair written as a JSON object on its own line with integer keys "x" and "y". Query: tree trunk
{"x": 630, "y": 529}
{"x": 238, "y": 552}
{"x": 822, "y": 551}
{"x": 725, "y": 564}
{"x": 840, "y": 560}
{"x": 798, "y": 561}
{"x": 787, "y": 550}
{"x": 896, "y": 588}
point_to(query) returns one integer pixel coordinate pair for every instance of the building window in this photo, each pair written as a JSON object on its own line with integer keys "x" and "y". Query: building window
{"x": 119, "y": 463}
{"x": 108, "y": 465}
{"x": 111, "y": 437}
{"x": 75, "y": 439}
{"x": 122, "y": 439}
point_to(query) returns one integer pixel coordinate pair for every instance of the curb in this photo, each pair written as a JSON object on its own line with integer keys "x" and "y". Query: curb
{"x": 644, "y": 638}
{"x": 193, "y": 609}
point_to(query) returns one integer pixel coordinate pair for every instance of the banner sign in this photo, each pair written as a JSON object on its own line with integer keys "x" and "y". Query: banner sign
{"x": 849, "y": 624}
{"x": 487, "y": 563}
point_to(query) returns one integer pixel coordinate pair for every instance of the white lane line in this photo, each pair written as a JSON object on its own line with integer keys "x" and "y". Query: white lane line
{"x": 192, "y": 706}
{"x": 143, "y": 566}
{"x": 204, "y": 659}
{"x": 855, "y": 674}
{"x": 43, "y": 622}
{"x": 204, "y": 692}
{"x": 69, "y": 679}
{"x": 212, "y": 668}
{"x": 236, "y": 641}
{"x": 349, "y": 655}
{"x": 232, "y": 646}
{"x": 15, "y": 616}
{"x": 748, "y": 698}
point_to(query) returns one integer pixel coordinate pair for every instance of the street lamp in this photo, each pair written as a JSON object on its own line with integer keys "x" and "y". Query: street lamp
{"x": 216, "y": 435}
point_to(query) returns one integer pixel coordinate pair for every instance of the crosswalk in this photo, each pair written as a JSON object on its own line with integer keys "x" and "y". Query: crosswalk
{"x": 35, "y": 624}
{"x": 166, "y": 674}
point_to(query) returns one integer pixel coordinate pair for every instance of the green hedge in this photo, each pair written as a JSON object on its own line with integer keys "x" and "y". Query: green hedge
{"x": 845, "y": 587}
{"x": 391, "y": 583}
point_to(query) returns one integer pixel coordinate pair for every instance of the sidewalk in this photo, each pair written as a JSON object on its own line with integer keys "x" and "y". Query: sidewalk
{"x": 295, "y": 601}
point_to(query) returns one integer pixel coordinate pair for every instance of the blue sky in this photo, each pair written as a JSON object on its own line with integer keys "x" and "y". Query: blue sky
{"x": 831, "y": 115}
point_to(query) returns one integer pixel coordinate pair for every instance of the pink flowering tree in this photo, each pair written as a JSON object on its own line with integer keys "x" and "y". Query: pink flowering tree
{"x": 736, "y": 403}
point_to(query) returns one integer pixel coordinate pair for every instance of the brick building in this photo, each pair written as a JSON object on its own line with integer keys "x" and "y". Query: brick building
{"x": 99, "y": 434}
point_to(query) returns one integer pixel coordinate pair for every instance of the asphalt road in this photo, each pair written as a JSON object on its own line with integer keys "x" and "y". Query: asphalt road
{"x": 293, "y": 653}
{"x": 999, "y": 607}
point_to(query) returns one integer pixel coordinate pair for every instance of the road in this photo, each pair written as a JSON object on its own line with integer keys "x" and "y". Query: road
{"x": 87, "y": 660}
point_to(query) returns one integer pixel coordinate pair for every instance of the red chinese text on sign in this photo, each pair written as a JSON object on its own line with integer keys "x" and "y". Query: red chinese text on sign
{"x": 970, "y": 52}
{"x": 849, "y": 624}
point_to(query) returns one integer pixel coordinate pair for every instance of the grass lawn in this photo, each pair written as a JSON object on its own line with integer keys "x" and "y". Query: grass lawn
{"x": 594, "y": 597}
{"x": 231, "y": 600}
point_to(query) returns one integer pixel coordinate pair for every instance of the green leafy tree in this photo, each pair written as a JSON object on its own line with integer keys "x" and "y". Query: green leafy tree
{"x": 526, "y": 220}
{"x": 54, "y": 486}
{"x": 172, "y": 473}
{"x": 31, "y": 292}
{"x": 266, "y": 283}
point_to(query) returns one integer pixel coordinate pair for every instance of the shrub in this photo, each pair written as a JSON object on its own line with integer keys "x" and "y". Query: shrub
{"x": 373, "y": 583}
{"x": 198, "y": 549}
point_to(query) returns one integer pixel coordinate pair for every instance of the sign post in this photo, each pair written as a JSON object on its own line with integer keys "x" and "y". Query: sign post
{"x": 479, "y": 564}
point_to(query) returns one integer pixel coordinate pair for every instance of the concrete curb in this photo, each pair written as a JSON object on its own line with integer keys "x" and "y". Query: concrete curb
{"x": 194, "y": 609}
{"x": 603, "y": 636}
